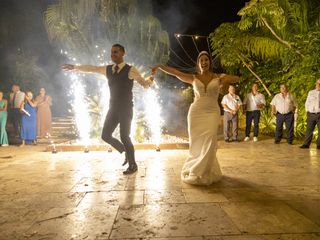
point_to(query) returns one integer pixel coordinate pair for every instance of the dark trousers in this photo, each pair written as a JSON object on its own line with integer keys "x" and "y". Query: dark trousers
{"x": 16, "y": 120}
{"x": 313, "y": 119}
{"x": 123, "y": 117}
{"x": 255, "y": 116}
{"x": 288, "y": 119}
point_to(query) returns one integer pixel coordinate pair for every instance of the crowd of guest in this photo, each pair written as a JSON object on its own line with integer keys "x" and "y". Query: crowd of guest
{"x": 283, "y": 105}
{"x": 29, "y": 117}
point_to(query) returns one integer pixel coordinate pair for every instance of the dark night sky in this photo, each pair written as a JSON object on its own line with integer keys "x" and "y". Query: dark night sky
{"x": 194, "y": 17}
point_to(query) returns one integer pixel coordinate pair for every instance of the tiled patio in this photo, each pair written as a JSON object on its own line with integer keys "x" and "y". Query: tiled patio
{"x": 268, "y": 192}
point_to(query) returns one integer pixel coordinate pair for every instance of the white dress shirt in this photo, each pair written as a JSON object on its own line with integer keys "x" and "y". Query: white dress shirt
{"x": 253, "y": 100}
{"x": 285, "y": 104}
{"x": 17, "y": 98}
{"x": 232, "y": 101}
{"x": 134, "y": 75}
{"x": 313, "y": 101}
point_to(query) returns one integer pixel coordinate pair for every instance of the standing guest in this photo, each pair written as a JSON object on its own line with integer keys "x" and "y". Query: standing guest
{"x": 29, "y": 120}
{"x": 231, "y": 104}
{"x": 16, "y": 98}
{"x": 313, "y": 115}
{"x": 44, "y": 102}
{"x": 283, "y": 106}
{"x": 3, "y": 121}
{"x": 253, "y": 103}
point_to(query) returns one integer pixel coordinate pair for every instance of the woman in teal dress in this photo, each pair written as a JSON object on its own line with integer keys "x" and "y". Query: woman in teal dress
{"x": 29, "y": 120}
{"x": 3, "y": 121}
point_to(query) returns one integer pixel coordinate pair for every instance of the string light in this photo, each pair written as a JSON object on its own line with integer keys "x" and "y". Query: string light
{"x": 194, "y": 37}
{"x": 185, "y": 51}
{"x": 190, "y": 35}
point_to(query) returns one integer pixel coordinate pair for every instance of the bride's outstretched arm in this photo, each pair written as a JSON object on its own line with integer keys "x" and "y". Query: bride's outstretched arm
{"x": 229, "y": 79}
{"x": 184, "y": 77}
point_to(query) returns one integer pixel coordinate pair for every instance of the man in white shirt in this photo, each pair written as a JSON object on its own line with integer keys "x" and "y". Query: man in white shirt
{"x": 313, "y": 115}
{"x": 16, "y": 99}
{"x": 231, "y": 104}
{"x": 120, "y": 80}
{"x": 283, "y": 106}
{"x": 253, "y": 103}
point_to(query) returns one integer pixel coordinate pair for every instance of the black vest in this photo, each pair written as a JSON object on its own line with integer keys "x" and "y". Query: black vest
{"x": 120, "y": 87}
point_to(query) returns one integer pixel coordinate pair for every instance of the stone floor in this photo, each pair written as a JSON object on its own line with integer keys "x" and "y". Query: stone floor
{"x": 268, "y": 192}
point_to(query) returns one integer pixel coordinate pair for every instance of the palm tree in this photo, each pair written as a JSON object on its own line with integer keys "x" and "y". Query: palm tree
{"x": 81, "y": 26}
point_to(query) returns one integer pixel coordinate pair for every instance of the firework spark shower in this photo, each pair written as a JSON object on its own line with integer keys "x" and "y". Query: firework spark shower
{"x": 80, "y": 106}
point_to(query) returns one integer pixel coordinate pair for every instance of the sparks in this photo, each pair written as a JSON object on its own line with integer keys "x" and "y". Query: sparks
{"x": 82, "y": 117}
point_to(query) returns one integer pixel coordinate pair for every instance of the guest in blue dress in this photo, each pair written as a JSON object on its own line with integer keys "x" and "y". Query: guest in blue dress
{"x": 29, "y": 120}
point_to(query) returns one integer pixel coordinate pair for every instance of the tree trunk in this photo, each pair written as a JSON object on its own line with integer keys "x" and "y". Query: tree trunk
{"x": 278, "y": 37}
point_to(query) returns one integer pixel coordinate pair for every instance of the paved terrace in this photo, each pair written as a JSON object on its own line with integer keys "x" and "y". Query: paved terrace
{"x": 268, "y": 192}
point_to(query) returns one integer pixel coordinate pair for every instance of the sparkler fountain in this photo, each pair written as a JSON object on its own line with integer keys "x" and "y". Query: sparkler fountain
{"x": 83, "y": 121}
{"x": 81, "y": 111}
{"x": 153, "y": 112}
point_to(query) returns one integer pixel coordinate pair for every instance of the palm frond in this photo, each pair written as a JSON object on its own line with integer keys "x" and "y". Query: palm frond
{"x": 261, "y": 47}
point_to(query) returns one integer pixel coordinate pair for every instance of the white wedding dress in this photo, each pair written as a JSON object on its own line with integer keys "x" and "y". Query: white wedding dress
{"x": 202, "y": 167}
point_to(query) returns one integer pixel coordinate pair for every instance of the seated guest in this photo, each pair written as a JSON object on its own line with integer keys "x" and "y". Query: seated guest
{"x": 29, "y": 120}
{"x": 3, "y": 121}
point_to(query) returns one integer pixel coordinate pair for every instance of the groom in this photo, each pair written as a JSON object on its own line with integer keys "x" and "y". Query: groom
{"x": 120, "y": 80}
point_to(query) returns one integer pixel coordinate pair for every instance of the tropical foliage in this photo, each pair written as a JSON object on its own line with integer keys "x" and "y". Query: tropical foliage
{"x": 276, "y": 41}
{"x": 28, "y": 74}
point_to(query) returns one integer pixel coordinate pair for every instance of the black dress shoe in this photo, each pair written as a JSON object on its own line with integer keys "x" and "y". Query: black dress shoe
{"x": 130, "y": 170}
{"x": 277, "y": 142}
{"x": 290, "y": 143}
{"x": 304, "y": 146}
{"x": 125, "y": 161}
{"x": 318, "y": 147}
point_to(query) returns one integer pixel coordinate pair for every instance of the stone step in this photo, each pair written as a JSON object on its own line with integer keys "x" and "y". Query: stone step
{"x": 63, "y": 128}
{"x": 62, "y": 123}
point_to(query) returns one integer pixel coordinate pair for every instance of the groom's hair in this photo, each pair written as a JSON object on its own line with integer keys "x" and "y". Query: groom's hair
{"x": 119, "y": 46}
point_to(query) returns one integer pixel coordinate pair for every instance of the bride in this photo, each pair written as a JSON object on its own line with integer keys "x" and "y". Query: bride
{"x": 202, "y": 167}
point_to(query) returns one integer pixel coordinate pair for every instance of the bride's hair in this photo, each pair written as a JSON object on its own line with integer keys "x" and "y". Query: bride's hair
{"x": 201, "y": 54}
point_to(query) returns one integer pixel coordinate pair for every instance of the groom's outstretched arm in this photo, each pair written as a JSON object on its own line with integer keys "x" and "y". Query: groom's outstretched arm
{"x": 85, "y": 68}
